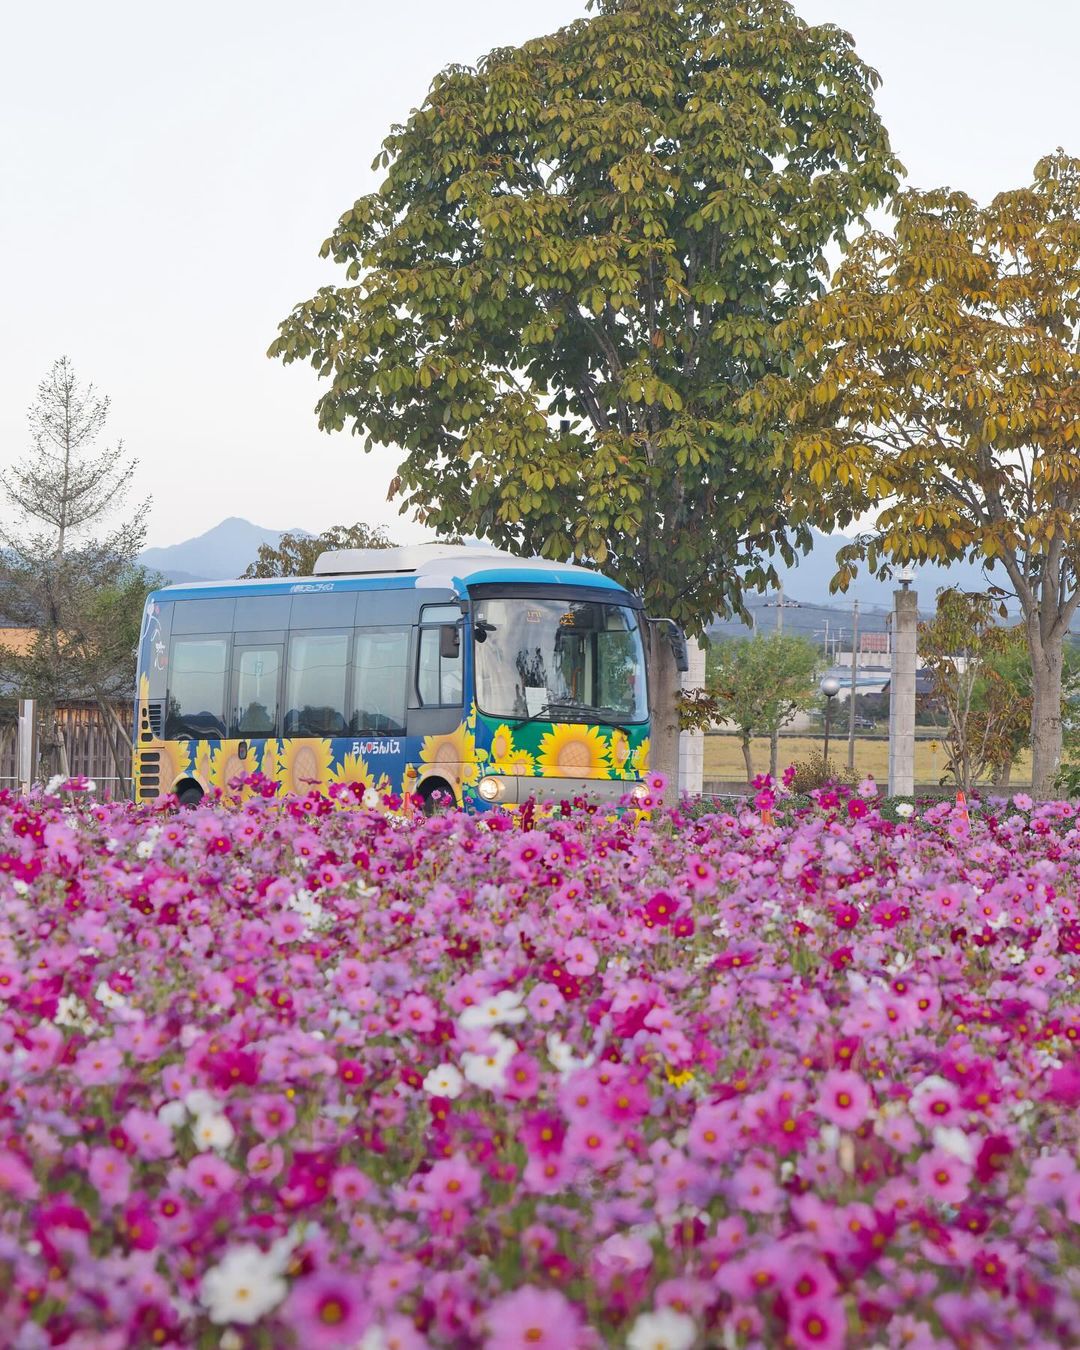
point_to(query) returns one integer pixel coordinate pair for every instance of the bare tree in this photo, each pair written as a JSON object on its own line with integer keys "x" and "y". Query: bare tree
{"x": 65, "y": 558}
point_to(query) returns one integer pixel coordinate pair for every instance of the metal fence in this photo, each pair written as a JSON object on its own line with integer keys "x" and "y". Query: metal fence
{"x": 96, "y": 741}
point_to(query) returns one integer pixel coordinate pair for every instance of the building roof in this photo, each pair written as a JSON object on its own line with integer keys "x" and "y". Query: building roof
{"x": 18, "y": 640}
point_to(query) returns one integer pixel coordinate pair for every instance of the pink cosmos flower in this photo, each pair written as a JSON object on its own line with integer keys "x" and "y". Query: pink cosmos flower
{"x": 350, "y": 1186}
{"x": 522, "y": 1077}
{"x": 110, "y": 1175}
{"x": 327, "y": 1311}
{"x": 943, "y": 1176}
{"x": 452, "y": 1181}
{"x": 100, "y": 1061}
{"x": 532, "y": 1319}
{"x": 935, "y": 1101}
{"x": 150, "y": 1137}
{"x": 1050, "y": 1178}
{"x": 265, "y": 1161}
{"x": 546, "y": 1175}
{"x": 591, "y": 1140}
{"x": 754, "y": 1188}
{"x": 272, "y": 1116}
{"x": 843, "y": 1098}
{"x": 822, "y": 1325}
{"x": 208, "y": 1175}
{"x": 16, "y": 1178}
{"x": 544, "y": 1002}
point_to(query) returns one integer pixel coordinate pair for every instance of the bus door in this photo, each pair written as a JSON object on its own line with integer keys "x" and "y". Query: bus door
{"x": 255, "y": 695}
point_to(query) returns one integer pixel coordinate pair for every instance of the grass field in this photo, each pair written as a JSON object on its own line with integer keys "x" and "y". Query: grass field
{"x": 724, "y": 759}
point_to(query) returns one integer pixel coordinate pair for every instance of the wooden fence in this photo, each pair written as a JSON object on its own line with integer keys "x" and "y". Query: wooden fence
{"x": 95, "y": 740}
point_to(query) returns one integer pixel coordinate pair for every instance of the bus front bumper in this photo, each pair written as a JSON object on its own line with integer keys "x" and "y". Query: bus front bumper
{"x": 512, "y": 789}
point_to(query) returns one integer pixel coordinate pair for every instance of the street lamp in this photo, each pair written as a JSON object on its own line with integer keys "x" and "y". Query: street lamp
{"x": 830, "y": 687}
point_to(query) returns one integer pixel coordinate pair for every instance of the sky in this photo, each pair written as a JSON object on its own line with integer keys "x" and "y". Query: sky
{"x": 168, "y": 173}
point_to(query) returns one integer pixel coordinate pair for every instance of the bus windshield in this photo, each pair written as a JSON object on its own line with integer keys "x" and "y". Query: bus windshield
{"x": 562, "y": 659}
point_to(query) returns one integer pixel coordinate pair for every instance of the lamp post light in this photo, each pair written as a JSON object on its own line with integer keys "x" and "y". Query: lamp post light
{"x": 830, "y": 687}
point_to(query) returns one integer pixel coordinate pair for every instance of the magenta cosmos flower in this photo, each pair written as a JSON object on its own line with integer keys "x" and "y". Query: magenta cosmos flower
{"x": 843, "y": 1098}
{"x": 532, "y": 1319}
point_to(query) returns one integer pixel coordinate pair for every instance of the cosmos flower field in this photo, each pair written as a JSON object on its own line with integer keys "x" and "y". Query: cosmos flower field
{"x": 296, "y": 1073}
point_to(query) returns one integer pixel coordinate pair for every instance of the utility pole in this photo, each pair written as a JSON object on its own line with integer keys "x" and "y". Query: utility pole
{"x": 854, "y": 679}
{"x": 774, "y": 740}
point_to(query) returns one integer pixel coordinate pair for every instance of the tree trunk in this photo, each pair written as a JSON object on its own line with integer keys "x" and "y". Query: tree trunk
{"x": 774, "y": 754}
{"x": 1047, "y": 660}
{"x": 663, "y": 708}
{"x": 747, "y": 759}
{"x": 49, "y": 745}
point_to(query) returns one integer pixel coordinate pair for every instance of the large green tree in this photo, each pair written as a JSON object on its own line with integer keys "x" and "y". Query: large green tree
{"x": 574, "y": 269}
{"x": 938, "y": 389}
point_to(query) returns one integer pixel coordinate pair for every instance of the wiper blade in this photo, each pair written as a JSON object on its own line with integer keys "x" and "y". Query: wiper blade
{"x": 585, "y": 712}
{"x": 542, "y": 712}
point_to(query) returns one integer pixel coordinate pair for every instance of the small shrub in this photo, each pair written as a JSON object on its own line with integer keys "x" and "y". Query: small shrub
{"x": 815, "y": 772}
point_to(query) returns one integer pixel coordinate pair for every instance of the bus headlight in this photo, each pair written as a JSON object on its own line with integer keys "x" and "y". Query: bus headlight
{"x": 490, "y": 789}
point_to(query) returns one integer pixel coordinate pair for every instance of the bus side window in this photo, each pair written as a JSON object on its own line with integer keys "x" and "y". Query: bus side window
{"x": 439, "y": 679}
{"x": 196, "y": 702}
{"x": 380, "y": 678}
{"x": 315, "y": 684}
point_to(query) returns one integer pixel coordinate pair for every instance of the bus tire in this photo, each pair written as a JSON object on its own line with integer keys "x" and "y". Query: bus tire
{"x": 428, "y": 793}
{"x": 189, "y": 793}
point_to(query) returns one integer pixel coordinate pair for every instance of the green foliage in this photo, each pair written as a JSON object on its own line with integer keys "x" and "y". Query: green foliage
{"x": 574, "y": 269}
{"x": 982, "y": 677}
{"x": 937, "y": 388}
{"x": 757, "y": 684}
{"x": 296, "y": 554}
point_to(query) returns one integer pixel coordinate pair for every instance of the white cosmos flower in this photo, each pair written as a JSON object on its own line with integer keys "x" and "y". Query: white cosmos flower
{"x": 488, "y": 1070}
{"x": 106, "y": 994}
{"x": 71, "y": 1012}
{"x": 954, "y": 1141}
{"x": 173, "y": 1114}
{"x": 563, "y": 1058}
{"x": 214, "y": 1131}
{"x": 665, "y": 1329}
{"x": 496, "y": 1008}
{"x": 905, "y": 809}
{"x": 202, "y": 1103}
{"x": 371, "y": 799}
{"x": 444, "y": 1081}
{"x": 245, "y": 1286}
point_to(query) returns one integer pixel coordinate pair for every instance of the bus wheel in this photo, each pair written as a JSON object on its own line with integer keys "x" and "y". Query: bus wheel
{"x": 189, "y": 794}
{"x": 438, "y": 796}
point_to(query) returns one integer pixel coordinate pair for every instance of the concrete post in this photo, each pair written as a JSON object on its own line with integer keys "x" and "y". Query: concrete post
{"x": 692, "y": 743}
{"x": 902, "y": 695}
{"x": 26, "y": 747}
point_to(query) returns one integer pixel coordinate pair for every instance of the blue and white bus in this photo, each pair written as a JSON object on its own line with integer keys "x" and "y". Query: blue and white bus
{"x": 416, "y": 671}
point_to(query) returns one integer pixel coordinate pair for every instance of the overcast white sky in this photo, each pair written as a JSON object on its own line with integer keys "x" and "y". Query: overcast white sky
{"x": 167, "y": 174}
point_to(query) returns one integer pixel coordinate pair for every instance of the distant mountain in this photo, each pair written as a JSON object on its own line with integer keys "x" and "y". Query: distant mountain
{"x": 218, "y": 555}
{"x": 809, "y": 579}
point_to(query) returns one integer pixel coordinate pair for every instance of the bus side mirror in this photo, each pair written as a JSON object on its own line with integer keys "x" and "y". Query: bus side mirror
{"x": 449, "y": 641}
